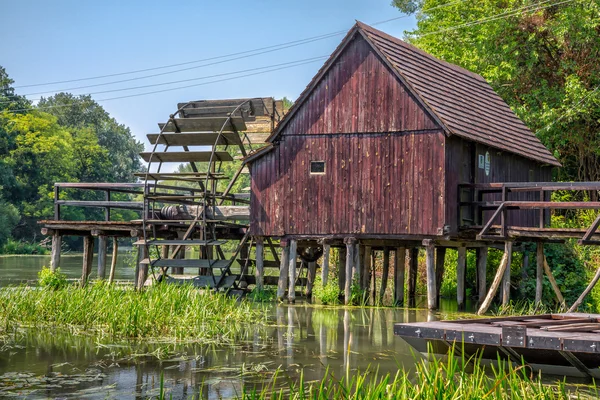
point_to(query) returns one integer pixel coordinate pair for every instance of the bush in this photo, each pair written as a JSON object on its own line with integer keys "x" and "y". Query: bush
{"x": 22, "y": 247}
{"x": 52, "y": 279}
{"x": 328, "y": 294}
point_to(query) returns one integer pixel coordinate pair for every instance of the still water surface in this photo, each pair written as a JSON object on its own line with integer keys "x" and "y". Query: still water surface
{"x": 301, "y": 338}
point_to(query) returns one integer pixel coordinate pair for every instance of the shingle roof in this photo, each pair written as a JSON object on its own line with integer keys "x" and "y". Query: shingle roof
{"x": 462, "y": 100}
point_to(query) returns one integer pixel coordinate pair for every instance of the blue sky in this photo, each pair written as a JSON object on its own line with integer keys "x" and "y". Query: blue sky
{"x": 42, "y": 41}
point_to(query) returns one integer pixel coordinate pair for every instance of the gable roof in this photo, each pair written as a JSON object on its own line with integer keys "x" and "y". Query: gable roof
{"x": 462, "y": 102}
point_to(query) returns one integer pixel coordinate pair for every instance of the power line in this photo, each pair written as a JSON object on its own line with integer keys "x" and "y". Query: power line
{"x": 242, "y": 54}
{"x": 565, "y": 113}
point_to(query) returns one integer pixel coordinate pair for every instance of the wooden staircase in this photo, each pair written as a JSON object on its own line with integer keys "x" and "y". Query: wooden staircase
{"x": 194, "y": 227}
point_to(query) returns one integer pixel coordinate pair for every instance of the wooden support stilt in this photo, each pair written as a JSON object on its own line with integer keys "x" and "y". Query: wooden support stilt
{"x": 481, "y": 255}
{"x": 413, "y": 266}
{"x": 293, "y": 271}
{"x": 56, "y": 245}
{"x": 88, "y": 257}
{"x": 102, "y": 250}
{"x": 399, "y": 268}
{"x": 358, "y": 257}
{"x": 366, "y": 272}
{"x": 440, "y": 259}
{"x": 325, "y": 266}
{"x": 374, "y": 279}
{"x": 310, "y": 278}
{"x": 260, "y": 265}
{"x": 554, "y": 285}
{"x": 506, "y": 281}
{"x": 539, "y": 273}
{"x": 284, "y": 263}
{"x": 461, "y": 269}
{"x": 350, "y": 247}
{"x": 113, "y": 261}
{"x": 431, "y": 275}
{"x": 385, "y": 274}
{"x": 497, "y": 279}
{"x": 342, "y": 269}
{"x": 143, "y": 268}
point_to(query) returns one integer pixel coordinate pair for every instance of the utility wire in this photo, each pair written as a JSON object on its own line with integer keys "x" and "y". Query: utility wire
{"x": 243, "y": 54}
{"x": 565, "y": 113}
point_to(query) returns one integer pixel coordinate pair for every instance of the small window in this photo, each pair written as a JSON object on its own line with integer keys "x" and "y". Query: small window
{"x": 317, "y": 167}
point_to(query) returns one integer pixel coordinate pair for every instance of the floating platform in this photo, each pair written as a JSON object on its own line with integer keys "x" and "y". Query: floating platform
{"x": 565, "y": 344}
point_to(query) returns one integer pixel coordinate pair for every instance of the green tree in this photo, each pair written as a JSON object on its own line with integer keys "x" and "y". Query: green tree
{"x": 544, "y": 63}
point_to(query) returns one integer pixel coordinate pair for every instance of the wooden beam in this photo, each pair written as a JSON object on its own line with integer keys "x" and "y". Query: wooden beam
{"x": 539, "y": 273}
{"x": 399, "y": 272}
{"x": 260, "y": 270}
{"x": 56, "y": 247}
{"x": 431, "y": 276}
{"x": 497, "y": 279}
{"x": 481, "y": 255}
{"x": 342, "y": 269}
{"x": 88, "y": 256}
{"x": 143, "y": 267}
{"x": 385, "y": 274}
{"x": 350, "y": 247}
{"x": 366, "y": 273}
{"x": 506, "y": 281}
{"x": 461, "y": 269}
{"x": 113, "y": 261}
{"x": 292, "y": 271}
{"x": 440, "y": 259}
{"x": 283, "y": 270}
{"x": 325, "y": 266}
{"x": 554, "y": 285}
{"x": 310, "y": 278}
{"x": 413, "y": 265}
{"x": 102, "y": 250}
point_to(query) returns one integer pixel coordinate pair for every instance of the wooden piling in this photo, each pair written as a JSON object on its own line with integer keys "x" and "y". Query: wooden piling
{"x": 413, "y": 266}
{"x": 358, "y": 258}
{"x": 497, "y": 279}
{"x": 554, "y": 285}
{"x": 431, "y": 275}
{"x": 113, "y": 261}
{"x": 373, "y": 278}
{"x": 506, "y": 281}
{"x": 284, "y": 263}
{"x": 440, "y": 259}
{"x": 481, "y": 256}
{"x": 385, "y": 274}
{"x": 56, "y": 245}
{"x": 399, "y": 268}
{"x": 179, "y": 255}
{"x": 366, "y": 272}
{"x": 143, "y": 267}
{"x": 88, "y": 257}
{"x": 341, "y": 269}
{"x": 260, "y": 265}
{"x": 539, "y": 273}
{"x": 325, "y": 266}
{"x": 292, "y": 271}
{"x": 310, "y": 278}
{"x": 461, "y": 270}
{"x": 350, "y": 247}
{"x": 102, "y": 250}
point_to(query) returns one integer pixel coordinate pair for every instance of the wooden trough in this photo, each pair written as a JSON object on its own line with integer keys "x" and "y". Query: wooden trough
{"x": 565, "y": 344}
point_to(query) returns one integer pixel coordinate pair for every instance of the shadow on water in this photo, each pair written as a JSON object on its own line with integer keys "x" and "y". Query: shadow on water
{"x": 301, "y": 338}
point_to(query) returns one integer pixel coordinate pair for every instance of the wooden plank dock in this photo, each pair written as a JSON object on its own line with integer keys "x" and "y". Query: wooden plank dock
{"x": 566, "y": 340}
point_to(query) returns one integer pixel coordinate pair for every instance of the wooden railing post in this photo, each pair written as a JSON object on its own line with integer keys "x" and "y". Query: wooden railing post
{"x": 56, "y": 205}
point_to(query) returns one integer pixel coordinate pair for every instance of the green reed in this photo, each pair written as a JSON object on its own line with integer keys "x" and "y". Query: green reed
{"x": 163, "y": 312}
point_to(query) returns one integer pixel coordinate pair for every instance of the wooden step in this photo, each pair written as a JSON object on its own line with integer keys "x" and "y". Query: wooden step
{"x": 257, "y": 107}
{"x": 195, "y": 138}
{"x": 204, "y": 124}
{"x": 190, "y": 242}
{"x": 186, "y": 156}
{"x": 189, "y": 263}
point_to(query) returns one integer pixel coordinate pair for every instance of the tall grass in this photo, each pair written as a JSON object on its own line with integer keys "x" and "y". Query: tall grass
{"x": 164, "y": 312}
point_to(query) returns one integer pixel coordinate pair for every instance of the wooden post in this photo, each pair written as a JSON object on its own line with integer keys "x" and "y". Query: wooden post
{"x": 260, "y": 265}
{"x": 481, "y": 255}
{"x": 284, "y": 263}
{"x": 88, "y": 257}
{"x": 431, "y": 275}
{"x": 385, "y": 274}
{"x": 413, "y": 266}
{"x": 310, "y": 278}
{"x": 113, "y": 261}
{"x": 358, "y": 257}
{"x": 440, "y": 259}
{"x": 293, "y": 271}
{"x": 374, "y": 278}
{"x": 102, "y": 250}
{"x": 366, "y": 273}
{"x": 399, "y": 268}
{"x": 461, "y": 269}
{"x": 350, "y": 247}
{"x": 55, "y": 258}
{"x": 539, "y": 273}
{"x": 143, "y": 267}
{"x": 554, "y": 285}
{"x": 497, "y": 279}
{"x": 506, "y": 281}
{"x": 325, "y": 266}
{"x": 341, "y": 269}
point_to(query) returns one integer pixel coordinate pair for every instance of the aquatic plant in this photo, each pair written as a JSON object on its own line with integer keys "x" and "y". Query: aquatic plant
{"x": 328, "y": 294}
{"x": 52, "y": 279}
{"x": 267, "y": 294}
{"x": 165, "y": 312}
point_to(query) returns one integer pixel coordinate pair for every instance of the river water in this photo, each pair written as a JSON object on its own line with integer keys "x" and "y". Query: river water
{"x": 302, "y": 338}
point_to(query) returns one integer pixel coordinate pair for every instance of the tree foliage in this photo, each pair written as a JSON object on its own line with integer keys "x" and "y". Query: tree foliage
{"x": 543, "y": 63}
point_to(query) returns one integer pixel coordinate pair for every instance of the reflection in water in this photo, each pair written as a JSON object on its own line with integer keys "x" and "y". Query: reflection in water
{"x": 301, "y": 339}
